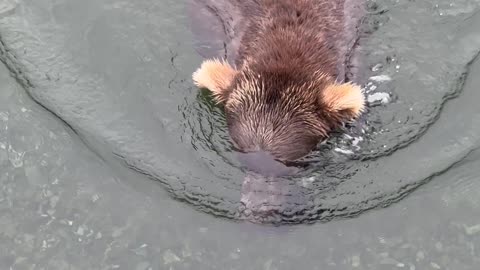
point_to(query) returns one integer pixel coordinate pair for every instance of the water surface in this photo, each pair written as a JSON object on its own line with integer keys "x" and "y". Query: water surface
{"x": 101, "y": 90}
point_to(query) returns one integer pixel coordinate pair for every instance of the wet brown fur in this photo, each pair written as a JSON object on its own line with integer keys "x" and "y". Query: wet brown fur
{"x": 283, "y": 96}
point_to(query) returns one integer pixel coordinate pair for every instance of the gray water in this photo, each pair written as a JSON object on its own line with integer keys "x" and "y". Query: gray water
{"x": 111, "y": 159}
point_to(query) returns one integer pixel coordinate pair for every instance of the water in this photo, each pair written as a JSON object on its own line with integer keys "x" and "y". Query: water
{"x": 113, "y": 81}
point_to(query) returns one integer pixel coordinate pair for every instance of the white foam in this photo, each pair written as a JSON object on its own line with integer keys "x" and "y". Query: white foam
{"x": 381, "y": 78}
{"x": 379, "y": 97}
{"x": 344, "y": 151}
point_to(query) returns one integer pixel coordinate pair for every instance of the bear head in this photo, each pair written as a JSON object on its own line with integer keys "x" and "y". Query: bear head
{"x": 283, "y": 110}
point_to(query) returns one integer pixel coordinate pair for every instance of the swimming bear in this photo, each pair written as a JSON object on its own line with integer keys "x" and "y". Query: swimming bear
{"x": 285, "y": 91}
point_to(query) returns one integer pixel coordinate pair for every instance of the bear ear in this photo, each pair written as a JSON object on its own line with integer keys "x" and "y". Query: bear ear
{"x": 216, "y": 76}
{"x": 345, "y": 99}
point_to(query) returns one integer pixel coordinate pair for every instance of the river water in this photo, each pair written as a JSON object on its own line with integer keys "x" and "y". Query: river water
{"x": 111, "y": 159}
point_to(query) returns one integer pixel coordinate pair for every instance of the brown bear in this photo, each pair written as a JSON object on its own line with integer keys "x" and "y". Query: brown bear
{"x": 285, "y": 92}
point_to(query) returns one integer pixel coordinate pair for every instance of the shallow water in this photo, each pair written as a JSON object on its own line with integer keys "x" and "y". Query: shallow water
{"x": 113, "y": 78}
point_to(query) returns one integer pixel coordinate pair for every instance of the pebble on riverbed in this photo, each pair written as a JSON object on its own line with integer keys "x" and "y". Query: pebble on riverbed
{"x": 7, "y": 8}
{"x": 472, "y": 229}
{"x": 170, "y": 257}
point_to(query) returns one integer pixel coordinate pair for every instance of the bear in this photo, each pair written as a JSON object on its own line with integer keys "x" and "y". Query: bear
{"x": 286, "y": 91}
